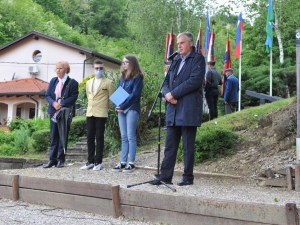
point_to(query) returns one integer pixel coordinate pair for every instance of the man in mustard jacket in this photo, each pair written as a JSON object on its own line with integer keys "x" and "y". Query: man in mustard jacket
{"x": 98, "y": 91}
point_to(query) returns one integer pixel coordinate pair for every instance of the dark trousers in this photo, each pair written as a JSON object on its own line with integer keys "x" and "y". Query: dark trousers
{"x": 56, "y": 146}
{"x": 174, "y": 133}
{"x": 231, "y": 107}
{"x": 212, "y": 102}
{"x": 95, "y": 127}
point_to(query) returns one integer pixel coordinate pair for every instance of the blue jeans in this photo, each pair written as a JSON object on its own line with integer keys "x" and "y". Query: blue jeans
{"x": 128, "y": 123}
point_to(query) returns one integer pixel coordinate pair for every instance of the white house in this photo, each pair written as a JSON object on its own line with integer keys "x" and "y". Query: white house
{"x": 31, "y": 59}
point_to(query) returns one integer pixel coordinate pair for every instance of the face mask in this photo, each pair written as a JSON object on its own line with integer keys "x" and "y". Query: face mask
{"x": 99, "y": 73}
{"x": 65, "y": 78}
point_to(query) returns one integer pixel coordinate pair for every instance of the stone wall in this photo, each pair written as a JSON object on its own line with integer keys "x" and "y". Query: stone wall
{"x": 20, "y": 163}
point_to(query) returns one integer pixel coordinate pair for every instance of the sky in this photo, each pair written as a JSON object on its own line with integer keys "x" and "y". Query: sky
{"x": 236, "y": 9}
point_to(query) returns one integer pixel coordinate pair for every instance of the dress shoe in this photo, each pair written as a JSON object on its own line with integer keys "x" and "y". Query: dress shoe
{"x": 60, "y": 164}
{"x": 49, "y": 164}
{"x": 185, "y": 182}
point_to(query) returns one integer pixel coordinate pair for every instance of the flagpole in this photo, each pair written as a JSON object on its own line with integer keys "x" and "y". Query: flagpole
{"x": 240, "y": 76}
{"x": 271, "y": 71}
{"x": 240, "y": 81}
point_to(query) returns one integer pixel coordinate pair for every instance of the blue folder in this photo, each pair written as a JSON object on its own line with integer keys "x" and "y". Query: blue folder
{"x": 119, "y": 96}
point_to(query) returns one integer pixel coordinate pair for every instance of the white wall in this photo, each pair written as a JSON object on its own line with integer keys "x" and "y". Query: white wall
{"x": 17, "y": 58}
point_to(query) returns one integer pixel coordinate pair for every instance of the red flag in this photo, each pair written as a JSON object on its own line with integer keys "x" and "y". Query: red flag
{"x": 211, "y": 52}
{"x": 227, "y": 56}
{"x": 170, "y": 41}
{"x": 227, "y": 64}
{"x": 238, "y": 42}
{"x": 199, "y": 47}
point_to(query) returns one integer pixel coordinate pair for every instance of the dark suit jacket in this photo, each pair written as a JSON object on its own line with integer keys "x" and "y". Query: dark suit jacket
{"x": 189, "y": 92}
{"x": 69, "y": 94}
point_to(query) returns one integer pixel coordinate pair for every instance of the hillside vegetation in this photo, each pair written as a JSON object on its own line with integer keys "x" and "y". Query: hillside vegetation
{"x": 266, "y": 139}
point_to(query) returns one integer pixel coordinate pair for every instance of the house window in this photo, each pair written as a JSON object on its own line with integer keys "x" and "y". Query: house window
{"x": 31, "y": 113}
{"x": 18, "y": 114}
{"x": 37, "y": 56}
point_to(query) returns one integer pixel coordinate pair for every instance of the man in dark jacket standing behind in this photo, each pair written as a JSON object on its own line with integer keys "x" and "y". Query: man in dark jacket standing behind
{"x": 231, "y": 92}
{"x": 213, "y": 79}
{"x": 184, "y": 95}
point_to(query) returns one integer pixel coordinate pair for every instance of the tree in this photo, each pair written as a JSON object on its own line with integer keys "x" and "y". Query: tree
{"x": 78, "y": 13}
{"x": 149, "y": 21}
{"x": 109, "y": 18}
{"x": 53, "y": 6}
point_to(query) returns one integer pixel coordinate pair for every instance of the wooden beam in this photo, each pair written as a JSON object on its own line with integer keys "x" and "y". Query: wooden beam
{"x": 67, "y": 186}
{"x": 210, "y": 207}
{"x": 276, "y": 182}
{"x": 6, "y": 179}
{"x": 292, "y": 214}
{"x": 116, "y": 200}
{"x": 289, "y": 179}
{"x": 297, "y": 177}
{"x": 67, "y": 201}
{"x": 15, "y": 188}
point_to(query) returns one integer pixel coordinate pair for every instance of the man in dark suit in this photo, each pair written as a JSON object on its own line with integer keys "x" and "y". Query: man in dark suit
{"x": 184, "y": 95}
{"x": 62, "y": 92}
{"x": 212, "y": 80}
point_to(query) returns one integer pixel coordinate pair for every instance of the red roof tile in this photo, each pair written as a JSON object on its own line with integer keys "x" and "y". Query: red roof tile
{"x": 24, "y": 86}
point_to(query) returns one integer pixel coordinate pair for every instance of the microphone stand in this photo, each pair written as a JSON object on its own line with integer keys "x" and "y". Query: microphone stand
{"x": 159, "y": 95}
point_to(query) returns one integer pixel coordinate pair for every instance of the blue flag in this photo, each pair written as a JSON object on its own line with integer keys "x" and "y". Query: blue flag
{"x": 207, "y": 34}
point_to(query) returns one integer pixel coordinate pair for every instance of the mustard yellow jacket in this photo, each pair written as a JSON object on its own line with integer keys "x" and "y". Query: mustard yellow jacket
{"x": 99, "y": 103}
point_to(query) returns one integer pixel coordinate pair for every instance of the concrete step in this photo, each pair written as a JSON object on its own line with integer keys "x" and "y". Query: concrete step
{"x": 83, "y": 139}
{"x": 80, "y": 145}
{"x": 77, "y": 150}
{"x": 78, "y": 157}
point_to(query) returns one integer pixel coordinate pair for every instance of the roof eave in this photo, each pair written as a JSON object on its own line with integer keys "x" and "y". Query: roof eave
{"x": 79, "y": 48}
{"x": 10, "y": 94}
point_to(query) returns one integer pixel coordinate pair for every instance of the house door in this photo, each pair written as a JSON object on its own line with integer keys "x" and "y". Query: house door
{"x": 31, "y": 113}
{"x": 18, "y": 114}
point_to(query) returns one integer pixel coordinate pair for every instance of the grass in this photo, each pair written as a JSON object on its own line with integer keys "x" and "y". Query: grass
{"x": 40, "y": 155}
{"x": 246, "y": 118}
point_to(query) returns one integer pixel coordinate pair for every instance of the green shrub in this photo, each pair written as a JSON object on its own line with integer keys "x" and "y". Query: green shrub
{"x": 78, "y": 129}
{"x": 40, "y": 140}
{"x": 211, "y": 142}
{"x": 17, "y": 123}
{"x": 21, "y": 139}
{"x": 7, "y": 150}
{"x": 32, "y": 124}
{"x": 40, "y": 124}
{"x": 111, "y": 146}
{"x": 3, "y": 136}
{"x": 9, "y": 138}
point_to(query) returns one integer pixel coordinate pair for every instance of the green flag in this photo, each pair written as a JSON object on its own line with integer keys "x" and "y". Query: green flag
{"x": 269, "y": 27}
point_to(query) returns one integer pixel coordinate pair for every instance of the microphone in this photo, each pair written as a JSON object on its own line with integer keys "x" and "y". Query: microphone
{"x": 173, "y": 55}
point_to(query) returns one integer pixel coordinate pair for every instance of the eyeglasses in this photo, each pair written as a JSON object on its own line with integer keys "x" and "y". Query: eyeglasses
{"x": 125, "y": 62}
{"x": 99, "y": 68}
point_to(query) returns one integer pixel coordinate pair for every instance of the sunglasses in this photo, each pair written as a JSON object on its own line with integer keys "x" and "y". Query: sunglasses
{"x": 99, "y": 68}
{"x": 125, "y": 62}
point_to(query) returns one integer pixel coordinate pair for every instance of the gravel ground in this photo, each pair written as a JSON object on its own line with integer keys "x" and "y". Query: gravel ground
{"x": 244, "y": 190}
